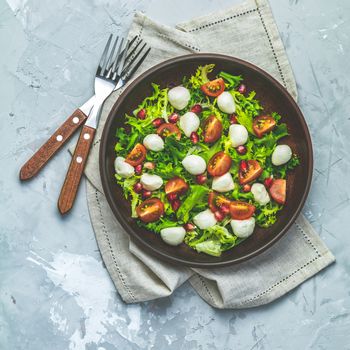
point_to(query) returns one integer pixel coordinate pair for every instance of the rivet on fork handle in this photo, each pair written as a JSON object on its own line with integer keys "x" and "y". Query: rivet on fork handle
{"x": 75, "y": 171}
{"x": 52, "y": 145}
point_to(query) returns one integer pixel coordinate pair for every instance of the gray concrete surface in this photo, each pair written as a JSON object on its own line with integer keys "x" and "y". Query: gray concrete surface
{"x": 54, "y": 292}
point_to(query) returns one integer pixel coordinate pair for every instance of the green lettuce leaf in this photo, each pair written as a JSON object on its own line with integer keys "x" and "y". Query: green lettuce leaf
{"x": 201, "y": 76}
{"x": 213, "y": 241}
{"x": 270, "y": 140}
{"x": 266, "y": 215}
{"x": 232, "y": 81}
{"x": 197, "y": 196}
{"x": 209, "y": 247}
{"x": 156, "y": 106}
{"x": 128, "y": 188}
{"x": 281, "y": 171}
{"x": 157, "y": 226}
{"x": 207, "y": 154}
{"x": 246, "y": 108}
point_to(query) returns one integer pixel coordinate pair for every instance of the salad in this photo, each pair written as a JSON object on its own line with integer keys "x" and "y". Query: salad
{"x": 202, "y": 163}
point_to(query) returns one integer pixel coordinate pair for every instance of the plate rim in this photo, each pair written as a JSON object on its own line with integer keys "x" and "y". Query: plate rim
{"x": 103, "y": 172}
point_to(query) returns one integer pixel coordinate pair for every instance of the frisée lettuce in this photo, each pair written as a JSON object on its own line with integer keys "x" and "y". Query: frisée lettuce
{"x": 184, "y": 195}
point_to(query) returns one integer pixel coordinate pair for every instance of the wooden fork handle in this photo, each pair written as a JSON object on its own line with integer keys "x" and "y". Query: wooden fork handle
{"x": 71, "y": 183}
{"x": 52, "y": 145}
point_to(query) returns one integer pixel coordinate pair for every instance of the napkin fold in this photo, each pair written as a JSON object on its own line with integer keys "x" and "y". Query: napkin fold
{"x": 247, "y": 31}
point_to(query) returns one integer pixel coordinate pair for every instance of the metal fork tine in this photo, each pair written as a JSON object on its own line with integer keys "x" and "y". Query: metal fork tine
{"x": 122, "y": 60}
{"x": 111, "y": 55}
{"x": 130, "y": 45}
{"x": 122, "y": 51}
{"x": 118, "y": 57}
{"x": 126, "y": 68}
{"x": 104, "y": 54}
{"x": 129, "y": 54}
{"x": 116, "y": 60}
{"x": 104, "y": 69}
{"x": 132, "y": 40}
{"x": 133, "y": 50}
{"x": 136, "y": 66}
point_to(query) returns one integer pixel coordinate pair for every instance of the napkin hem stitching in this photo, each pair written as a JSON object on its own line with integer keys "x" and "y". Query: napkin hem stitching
{"x": 307, "y": 239}
{"x": 282, "y": 280}
{"x": 110, "y": 248}
{"x": 178, "y": 42}
{"x": 272, "y": 47}
{"x": 222, "y": 20}
{"x": 268, "y": 290}
{"x": 258, "y": 9}
{"x": 206, "y": 287}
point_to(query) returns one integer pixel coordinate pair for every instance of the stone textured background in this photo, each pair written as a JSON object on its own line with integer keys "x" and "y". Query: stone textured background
{"x": 54, "y": 291}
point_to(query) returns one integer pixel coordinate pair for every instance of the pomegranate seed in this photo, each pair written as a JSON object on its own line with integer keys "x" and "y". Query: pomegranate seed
{"x": 189, "y": 226}
{"x": 149, "y": 165}
{"x": 268, "y": 182}
{"x": 172, "y": 196}
{"x": 242, "y": 89}
{"x": 197, "y": 108}
{"x": 243, "y": 166}
{"x": 146, "y": 194}
{"x": 241, "y": 149}
{"x": 175, "y": 204}
{"x": 138, "y": 169}
{"x": 141, "y": 114}
{"x": 173, "y": 118}
{"x": 246, "y": 188}
{"x": 194, "y": 137}
{"x": 219, "y": 216}
{"x": 225, "y": 209}
{"x": 138, "y": 187}
{"x": 158, "y": 122}
{"x": 233, "y": 119}
{"x": 201, "y": 179}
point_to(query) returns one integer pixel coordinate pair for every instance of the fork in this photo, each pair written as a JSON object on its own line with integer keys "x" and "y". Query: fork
{"x": 112, "y": 73}
{"x": 78, "y": 117}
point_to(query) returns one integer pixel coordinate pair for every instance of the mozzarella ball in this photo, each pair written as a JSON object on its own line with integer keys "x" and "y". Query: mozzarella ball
{"x": 238, "y": 135}
{"x": 153, "y": 142}
{"x": 189, "y": 123}
{"x": 260, "y": 194}
{"x": 194, "y": 164}
{"x": 173, "y": 235}
{"x": 226, "y": 103}
{"x": 223, "y": 183}
{"x": 151, "y": 182}
{"x": 243, "y": 228}
{"x": 205, "y": 219}
{"x": 281, "y": 155}
{"x": 179, "y": 97}
{"x": 123, "y": 168}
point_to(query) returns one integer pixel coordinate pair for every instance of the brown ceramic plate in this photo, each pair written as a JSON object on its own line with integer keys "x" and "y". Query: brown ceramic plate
{"x": 272, "y": 95}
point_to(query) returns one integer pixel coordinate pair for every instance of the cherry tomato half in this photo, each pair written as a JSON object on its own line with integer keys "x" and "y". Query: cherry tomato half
{"x": 219, "y": 164}
{"x": 263, "y": 124}
{"x": 212, "y": 129}
{"x": 250, "y": 172}
{"x": 241, "y": 210}
{"x": 137, "y": 155}
{"x": 176, "y": 185}
{"x": 167, "y": 129}
{"x": 217, "y": 202}
{"x": 278, "y": 190}
{"x": 214, "y": 87}
{"x": 150, "y": 210}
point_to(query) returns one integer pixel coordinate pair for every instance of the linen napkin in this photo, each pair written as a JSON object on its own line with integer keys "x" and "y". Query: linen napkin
{"x": 247, "y": 31}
